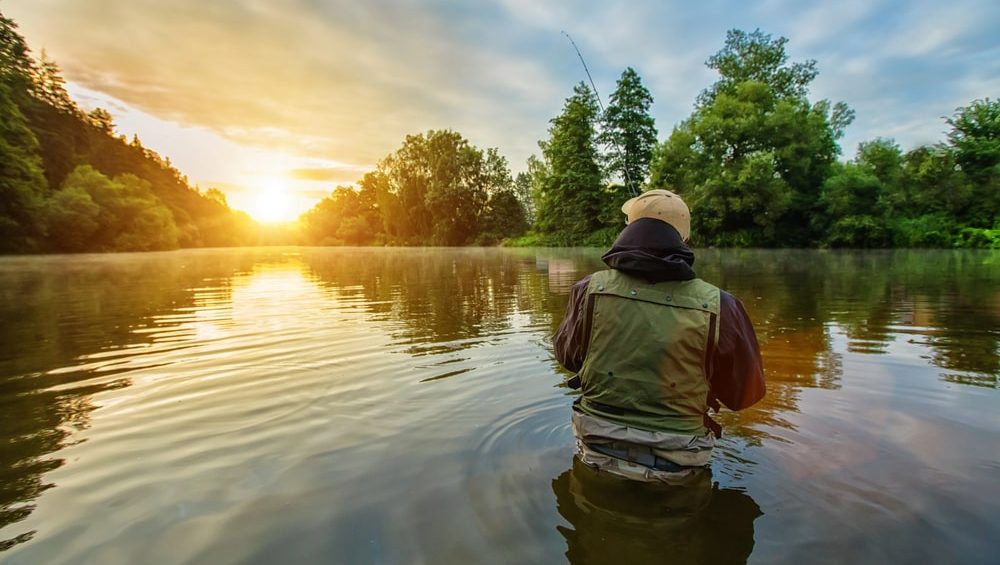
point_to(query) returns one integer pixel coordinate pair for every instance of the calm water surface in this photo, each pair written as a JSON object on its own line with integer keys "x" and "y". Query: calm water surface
{"x": 403, "y": 406}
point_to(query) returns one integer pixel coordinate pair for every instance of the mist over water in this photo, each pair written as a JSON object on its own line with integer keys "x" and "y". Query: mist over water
{"x": 359, "y": 405}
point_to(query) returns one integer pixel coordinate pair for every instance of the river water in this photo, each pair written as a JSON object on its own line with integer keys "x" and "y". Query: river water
{"x": 403, "y": 406}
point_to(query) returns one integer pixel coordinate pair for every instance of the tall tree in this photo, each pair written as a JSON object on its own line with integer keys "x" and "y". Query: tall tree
{"x": 22, "y": 185}
{"x": 571, "y": 198}
{"x": 853, "y": 201}
{"x": 975, "y": 137}
{"x": 50, "y": 87}
{"x": 17, "y": 68}
{"x": 629, "y": 131}
{"x": 344, "y": 217}
{"x": 975, "y": 134}
{"x": 757, "y": 57}
{"x": 522, "y": 189}
{"x": 755, "y": 152}
{"x": 435, "y": 188}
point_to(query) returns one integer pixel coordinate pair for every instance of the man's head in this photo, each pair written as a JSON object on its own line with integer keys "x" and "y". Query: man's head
{"x": 661, "y": 205}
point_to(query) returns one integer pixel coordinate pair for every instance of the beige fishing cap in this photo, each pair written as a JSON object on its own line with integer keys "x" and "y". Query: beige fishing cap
{"x": 661, "y": 205}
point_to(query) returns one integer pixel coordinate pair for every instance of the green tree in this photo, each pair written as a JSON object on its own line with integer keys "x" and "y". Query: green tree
{"x": 42, "y": 130}
{"x": 130, "y": 217}
{"x": 853, "y": 201}
{"x": 22, "y": 184}
{"x": 16, "y": 65}
{"x": 629, "y": 131}
{"x": 439, "y": 181}
{"x": 975, "y": 137}
{"x": 755, "y": 153}
{"x": 436, "y": 188}
{"x": 757, "y": 57}
{"x": 342, "y": 218}
{"x": 570, "y": 199}
{"x": 50, "y": 87}
{"x": 102, "y": 120}
{"x": 937, "y": 181}
{"x": 975, "y": 134}
{"x": 72, "y": 219}
{"x": 503, "y": 218}
{"x": 523, "y": 190}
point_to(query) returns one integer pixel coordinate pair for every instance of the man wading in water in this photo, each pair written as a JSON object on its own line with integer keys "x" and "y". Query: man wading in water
{"x": 654, "y": 348}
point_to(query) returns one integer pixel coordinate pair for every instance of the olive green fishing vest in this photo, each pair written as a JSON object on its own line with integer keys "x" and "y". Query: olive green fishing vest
{"x": 648, "y": 352}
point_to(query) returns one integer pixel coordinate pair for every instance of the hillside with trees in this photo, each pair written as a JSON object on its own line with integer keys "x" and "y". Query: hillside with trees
{"x": 69, "y": 184}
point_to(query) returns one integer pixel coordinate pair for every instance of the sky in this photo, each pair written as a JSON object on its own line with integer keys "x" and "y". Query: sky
{"x": 295, "y": 97}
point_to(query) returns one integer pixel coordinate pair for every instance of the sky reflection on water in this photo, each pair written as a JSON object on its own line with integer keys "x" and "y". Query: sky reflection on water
{"x": 393, "y": 405}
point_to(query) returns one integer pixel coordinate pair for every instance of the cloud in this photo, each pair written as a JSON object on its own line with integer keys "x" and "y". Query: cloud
{"x": 346, "y": 81}
{"x": 328, "y": 174}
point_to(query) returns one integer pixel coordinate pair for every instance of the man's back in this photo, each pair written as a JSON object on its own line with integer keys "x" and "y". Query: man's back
{"x": 654, "y": 347}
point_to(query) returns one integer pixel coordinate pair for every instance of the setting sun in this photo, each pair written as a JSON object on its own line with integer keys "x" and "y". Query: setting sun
{"x": 272, "y": 205}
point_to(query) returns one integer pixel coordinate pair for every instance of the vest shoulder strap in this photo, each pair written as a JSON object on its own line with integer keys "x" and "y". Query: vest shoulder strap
{"x": 694, "y": 294}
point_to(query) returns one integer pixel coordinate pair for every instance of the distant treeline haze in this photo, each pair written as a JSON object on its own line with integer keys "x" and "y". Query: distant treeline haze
{"x": 756, "y": 160}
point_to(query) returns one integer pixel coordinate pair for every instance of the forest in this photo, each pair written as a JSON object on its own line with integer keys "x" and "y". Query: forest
{"x": 758, "y": 162}
{"x": 68, "y": 183}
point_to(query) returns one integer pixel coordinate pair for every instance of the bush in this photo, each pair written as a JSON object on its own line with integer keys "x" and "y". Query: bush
{"x": 978, "y": 238}
{"x": 929, "y": 230}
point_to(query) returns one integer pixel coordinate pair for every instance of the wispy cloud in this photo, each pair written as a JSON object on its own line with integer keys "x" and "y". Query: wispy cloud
{"x": 344, "y": 81}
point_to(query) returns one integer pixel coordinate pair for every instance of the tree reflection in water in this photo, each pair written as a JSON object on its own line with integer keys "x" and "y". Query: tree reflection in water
{"x": 78, "y": 319}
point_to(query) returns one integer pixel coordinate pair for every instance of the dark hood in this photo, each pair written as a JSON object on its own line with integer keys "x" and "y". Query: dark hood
{"x": 652, "y": 250}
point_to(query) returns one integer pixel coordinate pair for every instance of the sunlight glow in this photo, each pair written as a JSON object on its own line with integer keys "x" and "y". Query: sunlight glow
{"x": 272, "y": 204}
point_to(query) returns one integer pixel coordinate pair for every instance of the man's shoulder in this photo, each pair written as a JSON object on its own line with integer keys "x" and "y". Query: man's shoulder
{"x": 583, "y": 283}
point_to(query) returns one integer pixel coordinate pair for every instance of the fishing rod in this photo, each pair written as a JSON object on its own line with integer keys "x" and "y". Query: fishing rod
{"x": 618, "y": 150}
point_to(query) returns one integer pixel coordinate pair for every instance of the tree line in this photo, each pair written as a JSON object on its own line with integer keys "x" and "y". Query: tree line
{"x": 436, "y": 189}
{"x": 757, "y": 161}
{"x": 68, "y": 183}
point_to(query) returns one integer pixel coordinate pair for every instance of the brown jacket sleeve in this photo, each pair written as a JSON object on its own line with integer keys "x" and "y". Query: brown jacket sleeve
{"x": 571, "y": 338}
{"x": 737, "y": 378}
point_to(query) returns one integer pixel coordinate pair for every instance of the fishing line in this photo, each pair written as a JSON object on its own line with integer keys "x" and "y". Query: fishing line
{"x": 618, "y": 150}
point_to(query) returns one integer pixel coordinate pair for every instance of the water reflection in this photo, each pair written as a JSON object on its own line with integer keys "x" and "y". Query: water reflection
{"x": 78, "y": 327}
{"x": 337, "y": 373}
{"x": 617, "y": 521}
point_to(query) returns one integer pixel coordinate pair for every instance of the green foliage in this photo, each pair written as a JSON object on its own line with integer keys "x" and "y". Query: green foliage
{"x": 757, "y": 57}
{"x": 852, "y": 198}
{"x": 128, "y": 215}
{"x": 22, "y": 185}
{"x": 16, "y": 65}
{"x": 44, "y": 136}
{"x": 752, "y": 157}
{"x": 756, "y": 161}
{"x": 978, "y": 238}
{"x": 975, "y": 135}
{"x": 629, "y": 131}
{"x": 50, "y": 88}
{"x": 436, "y": 189}
{"x": 72, "y": 219}
{"x": 503, "y": 218}
{"x": 570, "y": 198}
{"x": 523, "y": 189}
{"x": 928, "y": 230}
{"x": 346, "y": 217}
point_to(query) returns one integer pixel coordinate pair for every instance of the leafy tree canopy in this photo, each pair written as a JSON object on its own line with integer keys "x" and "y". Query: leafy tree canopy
{"x": 629, "y": 131}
